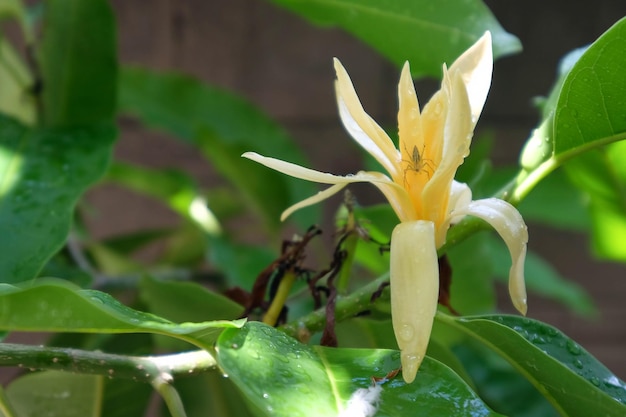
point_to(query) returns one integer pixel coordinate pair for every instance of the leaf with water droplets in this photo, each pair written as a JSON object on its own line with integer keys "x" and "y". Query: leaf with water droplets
{"x": 576, "y": 383}
{"x": 58, "y": 306}
{"x": 283, "y": 377}
{"x": 42, "y": 174}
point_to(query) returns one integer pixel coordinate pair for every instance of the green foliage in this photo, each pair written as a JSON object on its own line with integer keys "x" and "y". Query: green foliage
{"x": 569, "y": 377}
{"x": 222, "y": 126}
{"x": 420, "y": 31}
{"x": 56, "y": 393}
{"x": 270, "y": 368}
{"x": 78, "y": 59}
{"x": 59, "y": 97}
{"x": 42, "y": 175}
{"x": 57, "y": 306}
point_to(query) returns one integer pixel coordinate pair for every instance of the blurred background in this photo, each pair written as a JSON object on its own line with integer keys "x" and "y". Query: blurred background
{"x": 284, "y": 65}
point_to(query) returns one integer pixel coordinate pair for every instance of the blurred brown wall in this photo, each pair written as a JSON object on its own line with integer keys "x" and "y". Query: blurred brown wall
{"x": 283, "y": 64}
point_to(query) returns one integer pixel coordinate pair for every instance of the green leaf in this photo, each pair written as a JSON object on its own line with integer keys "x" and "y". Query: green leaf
{"x": 500, "y": 385}
{"x": 584, "y": 111}
{"x": 57, "y": 306}
{"x": 285, "y": 378}
{"x": 425, "y": 33}
{"x": 78, "y": 60}
{"x": 124, "y": 398}
{"x": 591, "y": 103}
{"x": 222, "y": 126}
{"x": 472, "y": 290}
{"x": 542, "y": 279}
{"x": 42, "y": 174}
{"x": 211, "y": 394}
{"x": 16, "y": 98}
{"x": 569, "y": 377}
{"x": 186, "y": 301}
{"x": 600, "y": 174}
{"x": 55, "y": 393}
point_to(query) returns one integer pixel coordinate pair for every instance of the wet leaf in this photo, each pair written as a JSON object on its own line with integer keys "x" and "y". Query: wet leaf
{"x": 285, "y": 378}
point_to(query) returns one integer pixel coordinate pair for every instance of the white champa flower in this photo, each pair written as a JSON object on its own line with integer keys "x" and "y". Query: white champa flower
{"x": 421, "y": 189}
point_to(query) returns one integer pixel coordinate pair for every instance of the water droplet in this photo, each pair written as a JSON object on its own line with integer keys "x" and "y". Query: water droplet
{"x": 414, "y": 113}
{"x": 266, "y": 395}
{"x": 578, "y": 364}
{"x": 573, "y": 348}
{"x": 595, "y": 381}
{"x": 406, "y": 332}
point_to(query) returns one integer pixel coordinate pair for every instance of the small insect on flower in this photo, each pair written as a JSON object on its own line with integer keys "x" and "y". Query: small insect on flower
{"x": 417, "y": 163}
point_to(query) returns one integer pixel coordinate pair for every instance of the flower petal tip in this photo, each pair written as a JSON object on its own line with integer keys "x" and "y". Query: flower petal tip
{"x": 410, "y": 365}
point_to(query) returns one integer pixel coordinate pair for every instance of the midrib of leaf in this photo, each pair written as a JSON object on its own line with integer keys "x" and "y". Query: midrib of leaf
{"x": 331, "y": 379}
{"x": 393, "y": 16}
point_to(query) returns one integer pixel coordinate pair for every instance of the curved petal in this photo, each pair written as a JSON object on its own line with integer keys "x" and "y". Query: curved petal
{"x": 509, "y": 224}
{"x": 297, "y": 171}
{"x": 314, "y": 199}
{"x": 456, "y": 140}
{"x": 409, "y": 118}
{"x": 414, "y": 286}
{"x": 361, "y": 126}
{"x": 476, "y": 66}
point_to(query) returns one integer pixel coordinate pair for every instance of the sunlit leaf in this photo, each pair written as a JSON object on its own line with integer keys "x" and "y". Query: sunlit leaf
{"x": 16, "y": 99}
{"x": 78, "y": 60}
{"x": 42, "y": 175}
{"x": 574, "y": 382}
{"x": 222, "y": 126}
{"x": 424, "y": 32}
{"x": 285, "y": 378}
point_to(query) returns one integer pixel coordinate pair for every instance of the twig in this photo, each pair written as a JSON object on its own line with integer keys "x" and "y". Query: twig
{"x": 137, "y": 368}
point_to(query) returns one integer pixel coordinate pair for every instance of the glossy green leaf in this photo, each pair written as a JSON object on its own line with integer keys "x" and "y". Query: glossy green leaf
{"x": 584, "y": 111}
{"x": 423, "y": 32}
{"x": 57, "y": 306}
{"x": 222, "y": 126}
{"x": 78, "y": 60}
{"x": 285, "y": 378}
{"x": 42, "y": 174}
{"x": 593, "y": 98}
{"x": 543, "y": 279}
{"x": 569, "y": 377}
{"x": 500, "y": 385}
{"x": 55, "y": 393}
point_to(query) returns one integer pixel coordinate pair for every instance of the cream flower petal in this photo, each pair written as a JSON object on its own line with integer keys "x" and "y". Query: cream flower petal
{"x": 361, "y": 126}
{"x": 314, "y": 199}
{"x": 507, "y": 221}
{"x": 409, "y": 120}
{"x": 476, "y": 66}
{"x": 414, "y": 287}
{"x": 457, "y": 138}
{"x": 395, "y": 194}
{"x": 297, "y": 170}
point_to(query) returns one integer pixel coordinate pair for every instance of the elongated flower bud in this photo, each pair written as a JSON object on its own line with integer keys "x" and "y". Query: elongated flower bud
{"x": 414, "y": 281}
